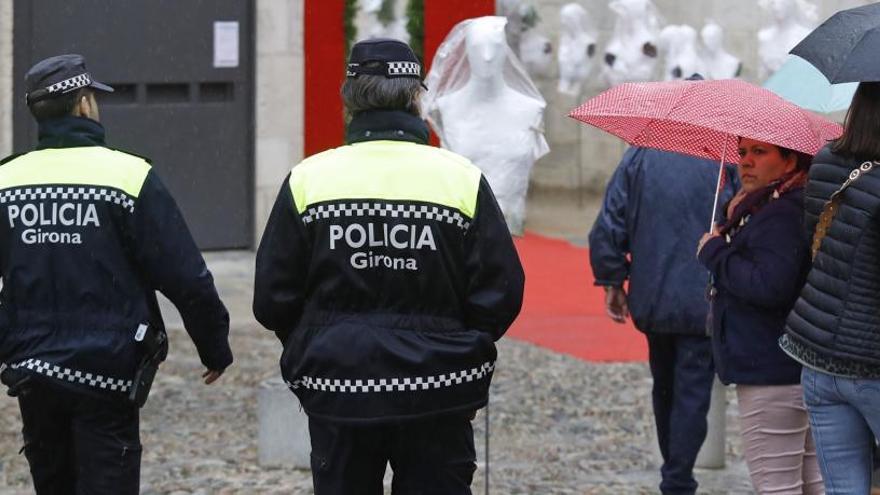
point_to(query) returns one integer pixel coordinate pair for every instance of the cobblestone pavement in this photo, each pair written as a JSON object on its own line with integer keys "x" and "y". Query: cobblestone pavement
{"x": 559, "y": 425}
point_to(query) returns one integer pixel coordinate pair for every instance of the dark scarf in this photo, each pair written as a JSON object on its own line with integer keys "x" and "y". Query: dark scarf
{"x": 750, "y": 203}
{"x": 394, "y": 125}
{"x": 70, "y": 132}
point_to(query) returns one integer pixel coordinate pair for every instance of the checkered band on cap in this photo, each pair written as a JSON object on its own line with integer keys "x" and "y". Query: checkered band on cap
{"x": 71, "y": 84}
{"x": 387, "y": 69}
{"x": 412, "y": 69}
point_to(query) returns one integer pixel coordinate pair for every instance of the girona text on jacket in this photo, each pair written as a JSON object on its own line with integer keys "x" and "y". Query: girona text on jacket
{"x": 36, "y": 216}
{"x": 399, "y": 236}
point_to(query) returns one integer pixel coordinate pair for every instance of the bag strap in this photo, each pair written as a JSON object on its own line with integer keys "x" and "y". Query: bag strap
{"x": 829, "y": 210}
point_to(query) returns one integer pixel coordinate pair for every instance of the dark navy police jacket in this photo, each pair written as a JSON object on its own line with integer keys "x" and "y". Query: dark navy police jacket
{"x": 657, "y": 206}
{"x": 388, "y": 271}
{"x": 758, "y": 275}
{"x": 87, "y": 235}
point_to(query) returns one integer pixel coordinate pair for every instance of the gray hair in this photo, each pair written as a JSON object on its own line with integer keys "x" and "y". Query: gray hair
{"x": 368, "y": 92}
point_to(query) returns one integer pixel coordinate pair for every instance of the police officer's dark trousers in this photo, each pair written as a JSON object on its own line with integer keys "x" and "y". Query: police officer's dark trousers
{"x": 428, "y": 457}
{"x": 79, "y": 444}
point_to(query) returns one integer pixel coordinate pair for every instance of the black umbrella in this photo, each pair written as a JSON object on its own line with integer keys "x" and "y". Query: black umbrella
{"x": 846, "y": 47}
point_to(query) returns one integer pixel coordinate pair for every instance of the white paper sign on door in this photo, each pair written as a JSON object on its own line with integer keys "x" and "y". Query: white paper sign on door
{"x": 225, "y": 44}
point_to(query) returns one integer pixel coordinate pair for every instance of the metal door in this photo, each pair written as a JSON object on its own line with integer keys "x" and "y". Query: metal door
{"x": 184, "y": 94}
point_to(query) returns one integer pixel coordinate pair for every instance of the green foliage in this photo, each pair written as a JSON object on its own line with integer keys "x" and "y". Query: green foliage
{"x": 415, "y": 26}
{"x": 530, "y": 17}
{"x": 348, "y": 14}
{"x": 386, "y": 12}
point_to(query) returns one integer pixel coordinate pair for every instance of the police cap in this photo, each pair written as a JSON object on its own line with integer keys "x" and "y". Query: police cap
{"x": 59, "y": 75}
{"x": 390, "y": 57}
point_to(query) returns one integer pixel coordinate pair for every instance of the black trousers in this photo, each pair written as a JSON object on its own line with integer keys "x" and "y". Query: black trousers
{"x": 428, "y": 457}
{"x": 77, "y": 444}
{"x": 683, "y": 374}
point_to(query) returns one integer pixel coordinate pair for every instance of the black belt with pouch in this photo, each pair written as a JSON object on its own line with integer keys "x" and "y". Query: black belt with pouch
{"x": 153, "y": 344}
{"x": 15, "y": 379}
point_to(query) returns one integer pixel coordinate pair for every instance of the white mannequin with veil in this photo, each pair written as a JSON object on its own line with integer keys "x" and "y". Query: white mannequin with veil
{"x": 483, "y": 106}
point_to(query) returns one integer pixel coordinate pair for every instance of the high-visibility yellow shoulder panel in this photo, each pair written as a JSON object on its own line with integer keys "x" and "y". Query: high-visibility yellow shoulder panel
{"x": 88, "y": 165}
{"x": 390, "y": 170}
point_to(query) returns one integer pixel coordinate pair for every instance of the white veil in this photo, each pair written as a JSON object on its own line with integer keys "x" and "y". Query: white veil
{"x": 450, "y": 71}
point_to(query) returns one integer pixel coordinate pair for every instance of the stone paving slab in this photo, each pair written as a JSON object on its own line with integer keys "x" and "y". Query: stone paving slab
{"x": 558, "y": 425}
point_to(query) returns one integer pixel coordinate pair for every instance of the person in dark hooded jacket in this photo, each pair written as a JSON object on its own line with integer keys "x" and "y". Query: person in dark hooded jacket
{"x": 388, "y": 272}
{"x": 655, "y": 205}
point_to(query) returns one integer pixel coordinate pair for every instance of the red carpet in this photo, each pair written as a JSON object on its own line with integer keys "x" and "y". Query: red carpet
{"x": 563, "y": 311}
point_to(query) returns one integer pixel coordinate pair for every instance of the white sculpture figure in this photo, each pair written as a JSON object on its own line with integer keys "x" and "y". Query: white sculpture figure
{"x": 720, "y": 64}
{"x": 536, "y": 52}
{"x": 681, "y": 55}
{"x": 483, "y": 105}
{"x": 631, "y": 54}
{"x": 371, "y": 27}
{"x": 533, "y": 49}
{"x": 791, "y": 21}
{"x": 577, "y": 48}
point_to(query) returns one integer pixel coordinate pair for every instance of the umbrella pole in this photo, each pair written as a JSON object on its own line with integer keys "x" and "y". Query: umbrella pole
{"x": 718, "y": 184}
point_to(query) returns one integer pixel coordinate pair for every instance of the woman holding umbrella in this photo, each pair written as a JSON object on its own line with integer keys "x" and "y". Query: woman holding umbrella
{"x": 759, "y": 259}
{"x": 834, "y": 329}
{"x": 759, "y": 256}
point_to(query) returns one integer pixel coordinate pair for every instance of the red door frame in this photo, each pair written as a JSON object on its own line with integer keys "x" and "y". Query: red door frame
{"x": 324, "y": 41}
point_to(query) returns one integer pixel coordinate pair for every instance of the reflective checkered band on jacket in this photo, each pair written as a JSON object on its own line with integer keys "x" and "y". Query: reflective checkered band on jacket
{"x": 393, "y": 384}
{"x": 74, "y": 193}
{"x": 71, "y": 84}
{"x": 428, "y": 212}
{"x": 404, "y": 69}
{"x": 74, "y": 376}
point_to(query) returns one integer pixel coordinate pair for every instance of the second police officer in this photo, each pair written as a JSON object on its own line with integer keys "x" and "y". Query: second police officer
{"x": 388, "y": 272}
{"x": 87, "y": 235}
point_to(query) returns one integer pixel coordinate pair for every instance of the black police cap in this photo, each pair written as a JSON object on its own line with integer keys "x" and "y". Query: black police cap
{"x": 392, "y": 58}
{"x": 59, "y": 75}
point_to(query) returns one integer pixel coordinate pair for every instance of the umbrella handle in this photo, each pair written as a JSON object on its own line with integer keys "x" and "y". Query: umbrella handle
{"x": 718, "y": 184}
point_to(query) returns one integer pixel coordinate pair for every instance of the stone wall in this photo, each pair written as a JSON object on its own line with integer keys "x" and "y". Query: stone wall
{"x": 570, "y": 165}
{"x": 279, "y": 95}
{"x": 6, "y": 78}
{"x": 279, "y": 106}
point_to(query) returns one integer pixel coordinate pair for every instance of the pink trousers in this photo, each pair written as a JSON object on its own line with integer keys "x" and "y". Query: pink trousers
{"x": 777, "y": 442}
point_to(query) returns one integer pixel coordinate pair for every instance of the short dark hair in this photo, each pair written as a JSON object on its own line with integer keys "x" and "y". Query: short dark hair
{"x": 57, "y": 107}
{"x": 860, "y": 137}
{"x": 803, "y": 161}
{"x": 371, "y": 92}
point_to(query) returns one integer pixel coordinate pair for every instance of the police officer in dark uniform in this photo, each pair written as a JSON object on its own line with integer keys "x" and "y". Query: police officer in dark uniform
{"x": 87, "y": 235}
{"x": 388, "y": 272}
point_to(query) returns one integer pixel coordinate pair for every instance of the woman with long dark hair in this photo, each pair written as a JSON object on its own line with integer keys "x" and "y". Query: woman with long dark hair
{"x": 834, "y": 329}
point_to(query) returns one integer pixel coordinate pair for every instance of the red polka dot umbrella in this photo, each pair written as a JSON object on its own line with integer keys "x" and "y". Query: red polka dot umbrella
{"x": 704, "y": 118}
